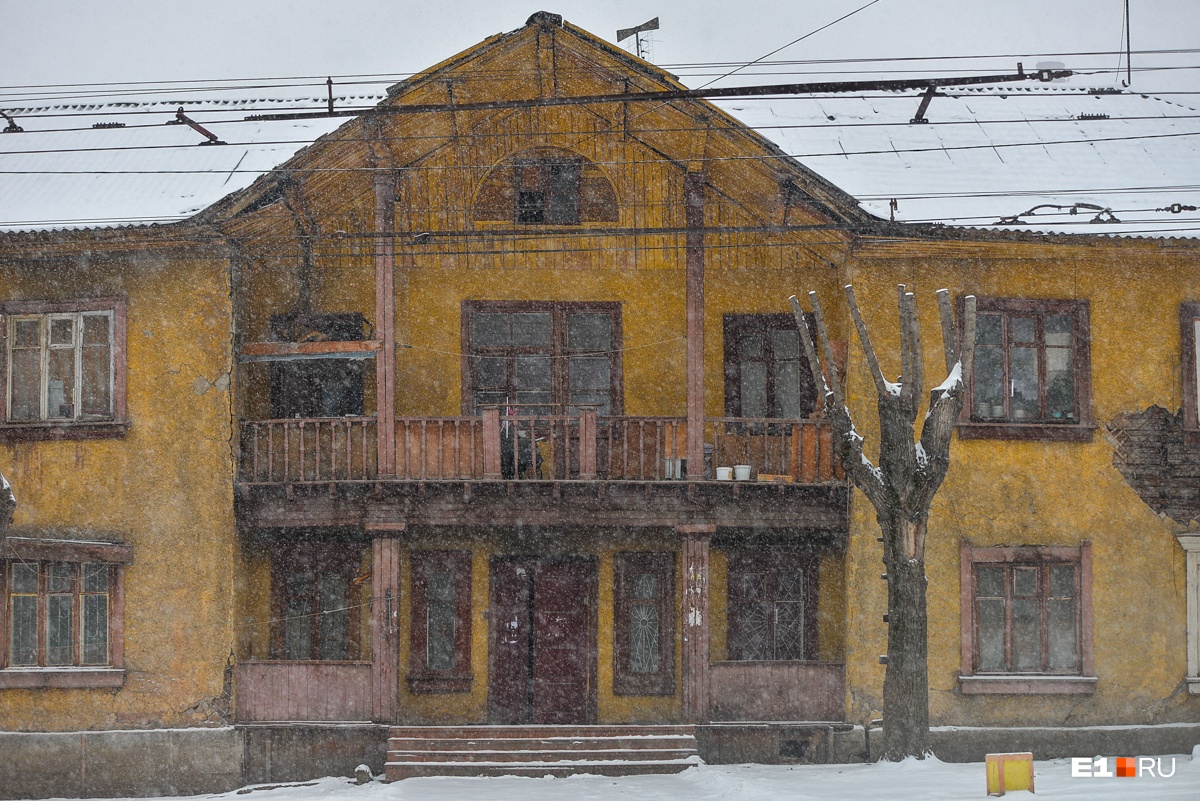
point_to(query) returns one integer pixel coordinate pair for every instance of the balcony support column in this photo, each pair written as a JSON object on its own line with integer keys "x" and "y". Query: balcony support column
{"x": 695, "y": 541}
{"x": 385, "y": 319}
{"x": 694, "y": 267}
{"x": 587, "y": 445}
{"x": 385, "y": 619}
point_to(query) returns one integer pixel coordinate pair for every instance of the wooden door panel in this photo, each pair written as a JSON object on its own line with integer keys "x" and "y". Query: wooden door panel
{"x": 510, "y": 641}
{"x": 561, "y": 645}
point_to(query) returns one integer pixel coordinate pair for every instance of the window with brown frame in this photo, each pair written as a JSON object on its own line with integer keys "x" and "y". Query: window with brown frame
{"x": 1032, "y": 374}
{"x": 439, "y": 656}
{"x": 1189, "y": 337}
{"x": 546, "y": 186}
{"x": 317, "y": 596}
{"x": 766, "y": 371}
{"x": 1026, "y": 613}
{"x": 64, "y": 368}
{"x": 772, "y": 606}
{"x": 542, "y": 356}
{"x": 63, "y": 609}
{"x": 644, "y": 612}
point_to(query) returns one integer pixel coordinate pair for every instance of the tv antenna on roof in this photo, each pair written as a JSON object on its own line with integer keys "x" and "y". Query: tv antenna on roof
{"x": 637, "y": 31}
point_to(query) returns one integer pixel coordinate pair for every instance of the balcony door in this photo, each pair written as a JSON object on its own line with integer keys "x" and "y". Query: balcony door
{"x": 542, "y": 357}
{"x": 766, "y": 371}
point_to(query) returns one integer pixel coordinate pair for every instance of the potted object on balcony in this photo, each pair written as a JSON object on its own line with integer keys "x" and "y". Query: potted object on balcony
{"x": 741, "y": 472}
{"x": 724, "y": 474}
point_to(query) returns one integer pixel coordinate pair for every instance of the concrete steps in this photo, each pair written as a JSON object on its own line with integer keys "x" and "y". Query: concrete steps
{"x": 538, "y": 750}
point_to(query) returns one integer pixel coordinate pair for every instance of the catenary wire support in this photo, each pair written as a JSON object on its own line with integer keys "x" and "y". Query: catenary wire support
{"x": 183, "y": 119}
{"x": 12, "y": 124}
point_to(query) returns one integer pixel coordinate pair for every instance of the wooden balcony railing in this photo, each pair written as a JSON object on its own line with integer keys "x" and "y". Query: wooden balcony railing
{"x": 316, "y": 449}
{"x": 523, "y": 447}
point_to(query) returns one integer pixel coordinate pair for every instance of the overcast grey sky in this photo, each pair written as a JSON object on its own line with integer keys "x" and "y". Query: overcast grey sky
{"x": 74, "y": 41}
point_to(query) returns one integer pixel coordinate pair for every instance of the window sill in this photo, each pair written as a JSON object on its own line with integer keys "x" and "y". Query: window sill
{"x": 1055, "y": 432}
{"x": 1021, "y": 684}
{"x": 62, "y": 677}
{"x": 657, "y": 685}
{"x": 1193, "y": 683}
{"x": 41, "y": 432}
{"x": 426, "y": 683}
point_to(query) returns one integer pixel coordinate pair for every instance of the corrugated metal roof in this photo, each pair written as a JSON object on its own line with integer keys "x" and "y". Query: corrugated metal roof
{"x": 61, "y": 173}
{"x": 1089, "y": 161}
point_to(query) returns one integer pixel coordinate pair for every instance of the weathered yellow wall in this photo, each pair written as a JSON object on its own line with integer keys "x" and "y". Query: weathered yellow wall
{"x": 1038, "y": 492}
{"x": 164, "y": 488}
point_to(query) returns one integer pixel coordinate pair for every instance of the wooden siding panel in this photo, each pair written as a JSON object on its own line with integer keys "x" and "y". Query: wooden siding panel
{"x": 309, "y": 691}
{"x": 776, "y": 691}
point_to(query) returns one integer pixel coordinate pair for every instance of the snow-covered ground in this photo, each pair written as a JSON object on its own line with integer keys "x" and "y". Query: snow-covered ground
{"x": 913, "y": 780}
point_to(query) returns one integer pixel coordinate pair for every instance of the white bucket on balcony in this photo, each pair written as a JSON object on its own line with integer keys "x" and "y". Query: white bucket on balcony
{"x": 741, "y": 472}
{"x": 724, "y": 474}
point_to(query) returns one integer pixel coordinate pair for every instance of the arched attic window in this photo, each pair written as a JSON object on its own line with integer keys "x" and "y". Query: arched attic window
{"x": 546, "y": 186}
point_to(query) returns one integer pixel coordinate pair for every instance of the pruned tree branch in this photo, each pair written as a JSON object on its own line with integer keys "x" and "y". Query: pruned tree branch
{"x": 810, "y": 352}
{"x": 949, "y": 340}
{"x": 849, "y": 444}
{"x": 911, "y": 333}
{"x": 907, "y": 371}
{"x": 835, "y": 381}
{"x": 864, "y": 338}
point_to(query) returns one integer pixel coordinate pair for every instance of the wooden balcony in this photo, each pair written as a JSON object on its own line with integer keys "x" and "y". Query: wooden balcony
{"x": 537, "y": 470}
{"x": 521, "y": 447}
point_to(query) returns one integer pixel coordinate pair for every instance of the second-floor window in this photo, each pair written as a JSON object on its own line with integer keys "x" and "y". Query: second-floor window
{"x": 542, "y": 357}
{"x": 1032, "y": 365}
{"x": 62, "y": 365}
{"x": 766, "y": 372}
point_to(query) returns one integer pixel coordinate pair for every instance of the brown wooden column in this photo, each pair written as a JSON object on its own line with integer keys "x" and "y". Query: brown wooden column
{"x": 385, "y": 619}
{"x": 694, "y": 541}
{"x": 693, "y": 190}
{"x": 385, "y": 320}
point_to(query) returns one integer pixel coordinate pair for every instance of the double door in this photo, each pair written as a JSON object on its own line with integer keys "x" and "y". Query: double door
{"x": 542, "y": 654}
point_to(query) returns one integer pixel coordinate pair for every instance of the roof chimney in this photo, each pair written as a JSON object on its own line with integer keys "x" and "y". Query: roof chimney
{"x": 545, "y": 19}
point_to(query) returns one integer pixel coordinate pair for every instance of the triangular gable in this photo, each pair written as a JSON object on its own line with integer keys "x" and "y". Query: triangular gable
{"x": 549, "y": 58}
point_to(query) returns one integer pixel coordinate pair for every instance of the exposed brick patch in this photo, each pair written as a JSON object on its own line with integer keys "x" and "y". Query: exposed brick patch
{"x": 1152, "y": 451}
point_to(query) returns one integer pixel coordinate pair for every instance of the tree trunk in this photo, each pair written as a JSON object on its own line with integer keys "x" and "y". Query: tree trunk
{"x": 906, "y": 682}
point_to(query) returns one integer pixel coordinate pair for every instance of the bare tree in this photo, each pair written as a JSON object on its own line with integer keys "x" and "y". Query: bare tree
{"x": 901, "y": 488}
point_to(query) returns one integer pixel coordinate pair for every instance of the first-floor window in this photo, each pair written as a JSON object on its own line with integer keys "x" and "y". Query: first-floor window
{"x": 58, "y": 613}
{"x": 644, "y": 601}
{"x": 440, "y": 626}
{"x": 1026, "y": 611}
{"x": 63, "y": 361}
{"x": 772, "y": 606}
{"x": 1191, "y": 546}
{"x": 318, "y": 602}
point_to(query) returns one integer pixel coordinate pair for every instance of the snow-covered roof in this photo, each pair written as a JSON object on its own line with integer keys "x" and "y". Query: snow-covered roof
{"x": 1122, "y": 161}
{"x": 1085, "y": 161}
{"x": 128, "y": 162}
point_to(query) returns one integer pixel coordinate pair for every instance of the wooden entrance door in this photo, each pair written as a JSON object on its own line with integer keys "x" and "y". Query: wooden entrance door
{"x": 542, "y": 642}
